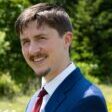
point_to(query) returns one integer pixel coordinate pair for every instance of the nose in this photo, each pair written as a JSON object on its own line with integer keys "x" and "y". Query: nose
{"x": 34, "y": 49}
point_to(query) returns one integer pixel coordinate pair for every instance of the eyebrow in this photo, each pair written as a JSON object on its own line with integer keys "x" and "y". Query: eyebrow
{"x": 39, "y": 35}
{"x": 36, "y": 36}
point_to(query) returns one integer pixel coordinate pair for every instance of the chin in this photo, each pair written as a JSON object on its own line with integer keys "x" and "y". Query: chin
{"x": 43, "y": 73}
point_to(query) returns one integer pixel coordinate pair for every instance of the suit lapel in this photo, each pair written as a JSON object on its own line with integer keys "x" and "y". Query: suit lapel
{"x": 60, "y": 93}
{"x": 54, "y": 101}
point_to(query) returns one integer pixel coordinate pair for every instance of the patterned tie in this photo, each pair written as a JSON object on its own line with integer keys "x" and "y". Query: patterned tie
{"x": 39, "y": 100}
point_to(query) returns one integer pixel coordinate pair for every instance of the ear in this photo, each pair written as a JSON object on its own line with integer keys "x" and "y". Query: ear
{"x": 68, "y": 39}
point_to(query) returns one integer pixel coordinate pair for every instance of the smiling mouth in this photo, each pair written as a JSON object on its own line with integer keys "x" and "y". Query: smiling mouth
{"x": 38, "y": 59}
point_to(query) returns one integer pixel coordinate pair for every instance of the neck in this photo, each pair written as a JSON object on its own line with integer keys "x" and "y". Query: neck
{"x": 56, "y": 72}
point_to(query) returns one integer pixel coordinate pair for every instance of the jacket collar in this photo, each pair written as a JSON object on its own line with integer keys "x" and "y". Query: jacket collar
{"x": 59, "y": 94}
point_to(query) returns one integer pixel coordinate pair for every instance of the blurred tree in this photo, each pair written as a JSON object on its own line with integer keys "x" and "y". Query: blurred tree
{"x": 92, "y": 21}
{"x": 11, "y": 60}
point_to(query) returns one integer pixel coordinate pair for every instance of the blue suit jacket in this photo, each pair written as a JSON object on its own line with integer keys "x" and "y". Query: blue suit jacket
{"x": 76, "y": 94}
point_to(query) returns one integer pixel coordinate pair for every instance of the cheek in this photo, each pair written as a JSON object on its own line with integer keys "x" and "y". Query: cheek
{"x": 24, "y": 52}
{"x": 54, "y": 53}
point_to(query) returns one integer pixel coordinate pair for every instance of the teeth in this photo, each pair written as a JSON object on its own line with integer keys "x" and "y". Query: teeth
{"x": 38, "y": 59}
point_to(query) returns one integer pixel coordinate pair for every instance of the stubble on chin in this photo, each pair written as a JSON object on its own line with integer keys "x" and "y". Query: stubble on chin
{"x": 44, "y": 73}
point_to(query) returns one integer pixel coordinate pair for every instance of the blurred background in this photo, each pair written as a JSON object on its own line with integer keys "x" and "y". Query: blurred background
{"x": 91, "y": 49}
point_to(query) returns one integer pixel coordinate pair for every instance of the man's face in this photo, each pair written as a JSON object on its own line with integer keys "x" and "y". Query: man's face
{"x": 44, "y": 50}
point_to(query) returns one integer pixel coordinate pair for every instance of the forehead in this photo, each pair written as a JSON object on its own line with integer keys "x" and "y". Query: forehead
{"x": 32, "y": 29}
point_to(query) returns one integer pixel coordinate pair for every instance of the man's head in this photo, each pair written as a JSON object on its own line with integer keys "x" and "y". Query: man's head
{"x": 45, "y": 34}
{"x": 52, "y": 15}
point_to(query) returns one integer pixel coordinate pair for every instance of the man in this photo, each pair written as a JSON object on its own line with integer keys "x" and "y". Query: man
{"x": 46, "y": 33}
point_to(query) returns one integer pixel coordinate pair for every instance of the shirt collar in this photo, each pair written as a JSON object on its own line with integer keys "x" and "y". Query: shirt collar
{"x": 51, "y": 86}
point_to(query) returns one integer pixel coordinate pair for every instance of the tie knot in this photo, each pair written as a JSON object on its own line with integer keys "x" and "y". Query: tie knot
{"x": 42, "y": 93}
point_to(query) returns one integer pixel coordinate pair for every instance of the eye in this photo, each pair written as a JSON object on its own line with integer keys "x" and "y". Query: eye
{"x": 25, "y": 42}
{"x": 40, "y": 39}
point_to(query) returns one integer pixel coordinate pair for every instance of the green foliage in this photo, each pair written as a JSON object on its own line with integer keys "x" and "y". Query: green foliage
{"x": 87, "y": 69}
{"x": 3, "y": 44}
{"x": 7, "y": 86}
{"x": 31, "y": 86}
{"x": 92, "y": 35}
{"x": 12, "y": 60}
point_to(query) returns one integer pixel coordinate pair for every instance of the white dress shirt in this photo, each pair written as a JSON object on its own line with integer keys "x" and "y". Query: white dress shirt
{"x": 50, "y": 87}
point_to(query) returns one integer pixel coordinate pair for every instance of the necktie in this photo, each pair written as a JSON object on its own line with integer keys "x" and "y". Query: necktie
{"x": 39, "y": 100}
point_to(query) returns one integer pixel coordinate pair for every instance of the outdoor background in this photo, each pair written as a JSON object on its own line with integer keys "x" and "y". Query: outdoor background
{"x": 91, "y": 49}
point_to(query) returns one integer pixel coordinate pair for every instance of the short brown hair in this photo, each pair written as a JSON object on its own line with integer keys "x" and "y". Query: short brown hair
{"x": 44, "y": 13}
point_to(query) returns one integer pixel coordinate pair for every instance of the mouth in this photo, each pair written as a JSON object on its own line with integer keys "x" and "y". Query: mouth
{"x": 39, "y": 59}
